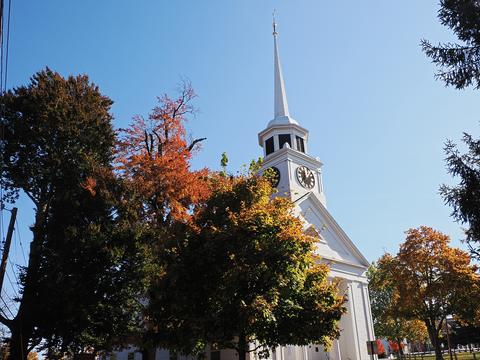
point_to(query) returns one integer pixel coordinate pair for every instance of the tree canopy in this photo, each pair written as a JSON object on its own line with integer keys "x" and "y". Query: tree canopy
{"x": 243, "y": 272}
{"x": 81, "y": 277}
{"x": 388, "y": 321}
{"x": 427, "y": 281}
{"x": 464, "y": 198}
{"x": 459, "y": 63}
{"x": 153, "y": 157}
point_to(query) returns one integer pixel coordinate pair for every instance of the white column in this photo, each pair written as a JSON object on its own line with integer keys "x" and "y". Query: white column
{"x": 305, "y": 352}
{"x": 368, "y": 314}
{"x": 351, "y": 300}
{"x": 337, "y": 349}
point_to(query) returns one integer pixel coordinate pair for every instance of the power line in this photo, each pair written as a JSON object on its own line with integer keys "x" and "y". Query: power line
{"x": 14, "y": 288}
{"x": 6, "y": 306}
{"x": 17, "y": 233}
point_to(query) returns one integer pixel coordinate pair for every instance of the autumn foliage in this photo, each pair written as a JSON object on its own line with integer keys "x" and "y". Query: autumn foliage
{"x": 153, "y": 156}
{"x": 243, "y": 272}
{"x": 426, "y": 281}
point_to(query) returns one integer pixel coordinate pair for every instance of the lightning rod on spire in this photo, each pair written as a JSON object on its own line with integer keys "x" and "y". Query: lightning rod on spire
{"x": 274, "y": 24}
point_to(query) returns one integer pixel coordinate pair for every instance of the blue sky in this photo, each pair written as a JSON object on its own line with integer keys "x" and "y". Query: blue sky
{"x": 355, "y": 77}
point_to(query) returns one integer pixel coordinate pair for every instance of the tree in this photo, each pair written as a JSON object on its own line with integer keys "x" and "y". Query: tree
{"x": 465, "y": 197}
{"x": 80, "y": 287}
{"x": 459, "y": 63}
{"x": 243, "y": 273}
{"x": 432, "y": 280}
{"x": 153, "y": 162}
{"x": 388, "y": 321}
{"x": 153, "y": 157}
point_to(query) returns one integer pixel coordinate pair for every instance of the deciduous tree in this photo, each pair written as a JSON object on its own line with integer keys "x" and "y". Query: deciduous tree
{"x": 432, "y": 280}
{"x": 153, "y": 157}
{"x": 388, "y": 321}
{"x": 243, "y": 276}
{"x": 161, "y": 190}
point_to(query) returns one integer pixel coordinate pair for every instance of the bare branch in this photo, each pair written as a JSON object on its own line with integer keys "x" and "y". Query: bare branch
{"x": 195, "y": 142}
{"x": 7, "y": 322}
{"x": 151, "y": 143}
{"x": 30, "y": 196}
{"x": 160, "y": 144}
{"x": 146, "y": 143}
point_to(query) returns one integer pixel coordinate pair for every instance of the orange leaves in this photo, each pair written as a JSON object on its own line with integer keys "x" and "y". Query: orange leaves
{"x": 90, "y": 184}
{"x": 154, "y": 158}
{"x": 430, "y": 279}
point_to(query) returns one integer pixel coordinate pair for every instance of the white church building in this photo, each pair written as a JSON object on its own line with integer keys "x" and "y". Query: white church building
{"x": 285, "y": 150}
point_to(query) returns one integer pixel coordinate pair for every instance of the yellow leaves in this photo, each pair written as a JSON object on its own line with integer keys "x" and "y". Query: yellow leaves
{"x": 427, "y": 277}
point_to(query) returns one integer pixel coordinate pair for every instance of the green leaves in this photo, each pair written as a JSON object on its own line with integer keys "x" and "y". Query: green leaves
{"x": 244, "y": 273}
{"x": 85, "y": 273}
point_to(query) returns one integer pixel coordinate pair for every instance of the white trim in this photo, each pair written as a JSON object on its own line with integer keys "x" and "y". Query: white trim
{"x": 337, "y": 229}
{"x": 292, "y": 155}
{"x": 281, "y": 127}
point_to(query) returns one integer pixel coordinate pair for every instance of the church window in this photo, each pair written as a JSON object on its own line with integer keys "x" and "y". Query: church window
{"x": 300, "y": 144}
{"x": 269, "y": 146}
{"x": 283, "y": 139}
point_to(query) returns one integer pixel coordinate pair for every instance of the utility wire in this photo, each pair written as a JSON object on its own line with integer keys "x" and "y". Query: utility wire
{"x": 17, "y": 281}
{"x": 6, "y": 307}
{"x": 17, "y": 232}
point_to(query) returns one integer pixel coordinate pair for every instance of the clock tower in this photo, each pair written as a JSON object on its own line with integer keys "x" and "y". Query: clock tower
{"x": 285, "y": 145}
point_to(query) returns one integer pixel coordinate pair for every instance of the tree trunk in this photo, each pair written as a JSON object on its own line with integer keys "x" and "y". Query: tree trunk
{"x": 20, "y": 329}
{"x": 148, "y": 354}
{"x": 242, "y": 347}
{"x": 434, "y": 339}
{"x": 18, "y": 345}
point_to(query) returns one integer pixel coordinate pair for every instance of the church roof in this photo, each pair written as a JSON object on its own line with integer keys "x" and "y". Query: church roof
{"x": 336, "y": 241}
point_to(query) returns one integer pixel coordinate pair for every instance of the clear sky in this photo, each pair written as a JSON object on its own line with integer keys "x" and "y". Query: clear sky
{"x": 355, "y": 77}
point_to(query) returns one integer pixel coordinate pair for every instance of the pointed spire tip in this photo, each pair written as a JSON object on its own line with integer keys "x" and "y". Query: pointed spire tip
{"x": 274, "y": 24}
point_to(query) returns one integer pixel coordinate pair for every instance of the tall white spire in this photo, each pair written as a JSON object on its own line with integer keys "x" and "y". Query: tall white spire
{"x": 281, "y": 105}
{"x": 281, "y": 113}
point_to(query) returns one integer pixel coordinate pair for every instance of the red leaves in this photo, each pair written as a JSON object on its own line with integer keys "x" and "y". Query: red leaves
{"x": 90, "y": 184}
{"x": 154, "y": 158}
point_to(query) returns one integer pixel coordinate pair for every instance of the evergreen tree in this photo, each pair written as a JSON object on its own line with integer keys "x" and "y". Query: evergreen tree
{"x": 459, "y": 63}
{"x": 80, "y": 287}
{"x": 465, "y": 197}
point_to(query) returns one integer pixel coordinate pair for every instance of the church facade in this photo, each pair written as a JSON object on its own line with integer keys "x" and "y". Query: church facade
{"x": 299, "y": 174}
{"x": 285, "y": 149}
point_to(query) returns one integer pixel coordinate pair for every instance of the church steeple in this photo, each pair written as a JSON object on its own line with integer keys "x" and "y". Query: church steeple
{"x": 285, "y": 143}
{"x": 281, "y": 113}
{"x": 280, "y": 103}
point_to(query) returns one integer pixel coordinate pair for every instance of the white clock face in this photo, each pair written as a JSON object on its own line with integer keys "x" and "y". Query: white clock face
{"x": 305, "y": 177}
